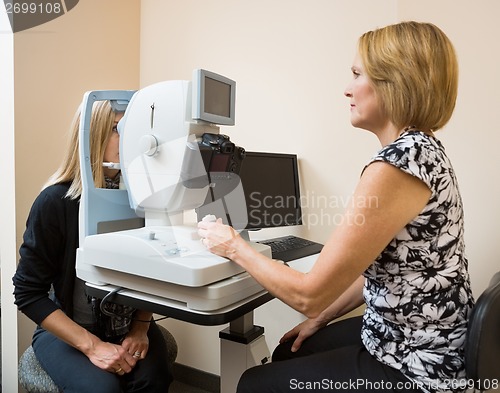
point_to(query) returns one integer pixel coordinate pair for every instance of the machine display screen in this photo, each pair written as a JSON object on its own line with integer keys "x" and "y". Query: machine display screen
{"x": 217, "y": 97}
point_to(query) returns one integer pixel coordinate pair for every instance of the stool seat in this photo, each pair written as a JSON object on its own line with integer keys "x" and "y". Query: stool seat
{"x": 34, "y": 379}
{"x": 32, "y": 376}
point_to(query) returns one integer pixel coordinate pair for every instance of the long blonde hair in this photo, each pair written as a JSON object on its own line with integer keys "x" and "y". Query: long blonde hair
{"x": 101, "y": 127}
{"x": 414, "y": 71}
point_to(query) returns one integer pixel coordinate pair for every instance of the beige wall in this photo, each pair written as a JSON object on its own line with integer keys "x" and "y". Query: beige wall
{"x": 94, "y": 46}
{"x": 471, "y": 138}
{"x": 291, "y": 60}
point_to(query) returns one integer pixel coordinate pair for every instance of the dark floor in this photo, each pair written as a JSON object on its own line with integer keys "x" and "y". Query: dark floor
{"x": 190, "y": 380}
{"x": 180, "y": 387}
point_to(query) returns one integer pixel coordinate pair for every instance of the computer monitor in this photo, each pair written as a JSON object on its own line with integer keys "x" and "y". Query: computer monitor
{"x": 271, "y": 187}
{"x": 213, "y": 98}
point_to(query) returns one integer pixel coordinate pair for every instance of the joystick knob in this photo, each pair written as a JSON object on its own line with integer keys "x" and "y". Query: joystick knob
{"x": 209, "y": 218}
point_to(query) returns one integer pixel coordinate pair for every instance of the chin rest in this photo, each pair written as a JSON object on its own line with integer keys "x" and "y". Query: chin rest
{"x": 482, "y": 350}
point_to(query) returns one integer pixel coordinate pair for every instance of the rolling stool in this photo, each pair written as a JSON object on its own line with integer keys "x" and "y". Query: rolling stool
{"x": 34, "y": 379}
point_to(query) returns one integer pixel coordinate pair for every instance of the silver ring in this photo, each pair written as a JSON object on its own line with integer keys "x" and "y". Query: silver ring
{"x": 137, "y": 354}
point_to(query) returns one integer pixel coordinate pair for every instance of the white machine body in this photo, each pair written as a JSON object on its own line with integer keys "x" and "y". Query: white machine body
{"x": 154, "y": 134}
{"x": 164, "y": 176}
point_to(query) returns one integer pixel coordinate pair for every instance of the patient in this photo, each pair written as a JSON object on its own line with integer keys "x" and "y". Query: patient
{"x": 81, "y": 347}
{"x": 406, "y": 262}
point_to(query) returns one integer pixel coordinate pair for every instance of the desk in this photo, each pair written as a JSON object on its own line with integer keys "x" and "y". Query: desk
{"x": 242, "y": 344}
{"x": 177, "y": 310}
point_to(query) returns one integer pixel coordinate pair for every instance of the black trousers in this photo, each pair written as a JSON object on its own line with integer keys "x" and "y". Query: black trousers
{"x": 333, "y": 359}
{"x": 73, "y": 372}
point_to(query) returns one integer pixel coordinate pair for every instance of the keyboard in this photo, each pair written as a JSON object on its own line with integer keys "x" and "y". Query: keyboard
{"x": 288, "y": 248}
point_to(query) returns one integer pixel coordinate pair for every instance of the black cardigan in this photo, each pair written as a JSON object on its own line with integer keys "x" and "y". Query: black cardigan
{"x": 48, "y": 255}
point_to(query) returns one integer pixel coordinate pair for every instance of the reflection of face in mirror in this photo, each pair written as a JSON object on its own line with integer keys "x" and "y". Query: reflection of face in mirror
{"x": 112, "y": 151}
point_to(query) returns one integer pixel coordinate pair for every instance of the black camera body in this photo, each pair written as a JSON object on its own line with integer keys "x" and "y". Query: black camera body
{"x": 219, "y": 154}
{"x": 222, "y": 160}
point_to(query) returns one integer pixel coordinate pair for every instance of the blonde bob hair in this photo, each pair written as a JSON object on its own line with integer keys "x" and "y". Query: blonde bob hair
{"x": 101, "y": 127}
{"x": 414, "y": 71}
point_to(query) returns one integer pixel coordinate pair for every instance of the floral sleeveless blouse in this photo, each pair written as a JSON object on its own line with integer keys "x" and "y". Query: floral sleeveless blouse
{"x": 417, "y": 292}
